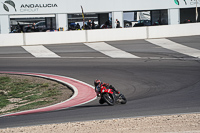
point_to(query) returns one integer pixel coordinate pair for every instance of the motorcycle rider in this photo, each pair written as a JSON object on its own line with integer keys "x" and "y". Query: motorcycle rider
{"x": 98, "y": 84}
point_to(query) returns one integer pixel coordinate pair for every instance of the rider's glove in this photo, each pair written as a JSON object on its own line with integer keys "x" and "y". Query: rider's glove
{"x": 98, "y": 94}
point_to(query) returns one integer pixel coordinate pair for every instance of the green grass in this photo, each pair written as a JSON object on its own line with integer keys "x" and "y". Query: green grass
{"x": 4, "y": 80}
{"x": 30, "y": 106}
{"x": 4, "y": 102}
{"x": 27, "y": 91}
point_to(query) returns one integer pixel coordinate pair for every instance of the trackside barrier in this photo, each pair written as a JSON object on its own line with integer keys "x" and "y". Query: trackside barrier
{"x": 20, "y": 39}
{"x": 11, "y": 39}
{"x": 174, "y": 30}
{"x": 116, "y": 34}
{"x": 55, "y": 37}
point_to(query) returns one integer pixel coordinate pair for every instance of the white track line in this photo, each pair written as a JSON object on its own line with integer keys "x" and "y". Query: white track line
{"x": 165, "y": 43}
{"x": 78, "y": 98}
{"x": 110, "y": 50}
{"x": 40, "y": 51}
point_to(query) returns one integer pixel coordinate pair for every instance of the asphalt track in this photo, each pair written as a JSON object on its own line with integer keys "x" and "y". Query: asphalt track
{"x": 152, "y": 86}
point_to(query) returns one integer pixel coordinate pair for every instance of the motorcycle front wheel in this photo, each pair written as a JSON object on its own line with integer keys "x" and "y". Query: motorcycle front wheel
{"x": 109, "y": 99}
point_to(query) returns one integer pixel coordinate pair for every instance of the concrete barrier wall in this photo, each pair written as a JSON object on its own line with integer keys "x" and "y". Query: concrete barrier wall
{"x": 11, "y": 39}
{"x": 55, "y": 37}
{"x": 19, "y": 39}
{"x": 116, "y": 34}
{"x": 173, "y": 30}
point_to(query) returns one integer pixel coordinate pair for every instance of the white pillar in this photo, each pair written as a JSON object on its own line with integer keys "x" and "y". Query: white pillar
{"x": 173, "y": 16}
{"x": 4, "y": 24}
{"x": 119, "y": 16}
{"x": 62, "y": 21}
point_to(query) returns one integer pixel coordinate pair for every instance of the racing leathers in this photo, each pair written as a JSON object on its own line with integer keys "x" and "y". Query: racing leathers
{"x": 98, "y": 90}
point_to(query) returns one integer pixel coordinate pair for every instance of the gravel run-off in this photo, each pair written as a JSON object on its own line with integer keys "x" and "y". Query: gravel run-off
{"x": 181, "y": 123}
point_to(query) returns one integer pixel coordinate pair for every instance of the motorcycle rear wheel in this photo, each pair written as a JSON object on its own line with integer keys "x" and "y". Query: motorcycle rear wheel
{"x": 122, "y": 97}
{"x": 109, "y": 99}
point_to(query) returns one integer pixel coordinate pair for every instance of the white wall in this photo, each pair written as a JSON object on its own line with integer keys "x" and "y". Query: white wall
{"x": 4, "y": 24}
{"x": 73, "y": 6}
{"x": 116, "y": 34}
{"x": 173, "y": 16}
{"x": 174, "y": 30}
{"x": 119, "y": 16}
{"x": 61, "y": 21}
{"x": 17, "y": 39}
{"x": 55, "y": 37}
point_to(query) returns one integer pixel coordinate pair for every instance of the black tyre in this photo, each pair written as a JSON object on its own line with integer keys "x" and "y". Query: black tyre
{"x": 101, "y": 101}
{"x": 123, "y": 99}
{"x": 109, "y": 99}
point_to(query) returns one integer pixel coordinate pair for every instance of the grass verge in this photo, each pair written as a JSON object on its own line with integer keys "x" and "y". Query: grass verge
{"x": 19, "y": 93}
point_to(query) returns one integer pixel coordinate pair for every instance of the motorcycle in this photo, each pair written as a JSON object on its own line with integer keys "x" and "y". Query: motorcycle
{"x": 111, "y": 97}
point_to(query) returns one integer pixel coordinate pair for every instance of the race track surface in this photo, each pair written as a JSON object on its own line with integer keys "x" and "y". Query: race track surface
{"x": 160, "y": 81}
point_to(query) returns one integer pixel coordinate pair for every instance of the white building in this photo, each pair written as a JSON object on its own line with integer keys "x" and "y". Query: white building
{"x": 60, "y": 13}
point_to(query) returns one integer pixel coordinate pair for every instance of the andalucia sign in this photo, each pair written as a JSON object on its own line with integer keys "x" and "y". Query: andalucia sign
{"x": 11, "y": 6}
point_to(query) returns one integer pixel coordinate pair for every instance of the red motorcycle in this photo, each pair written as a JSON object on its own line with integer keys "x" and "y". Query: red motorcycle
{"x": 111, "y": 97}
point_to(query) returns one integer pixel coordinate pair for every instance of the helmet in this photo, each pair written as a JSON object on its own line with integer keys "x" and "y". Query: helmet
{"x": 96, "y": 82}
